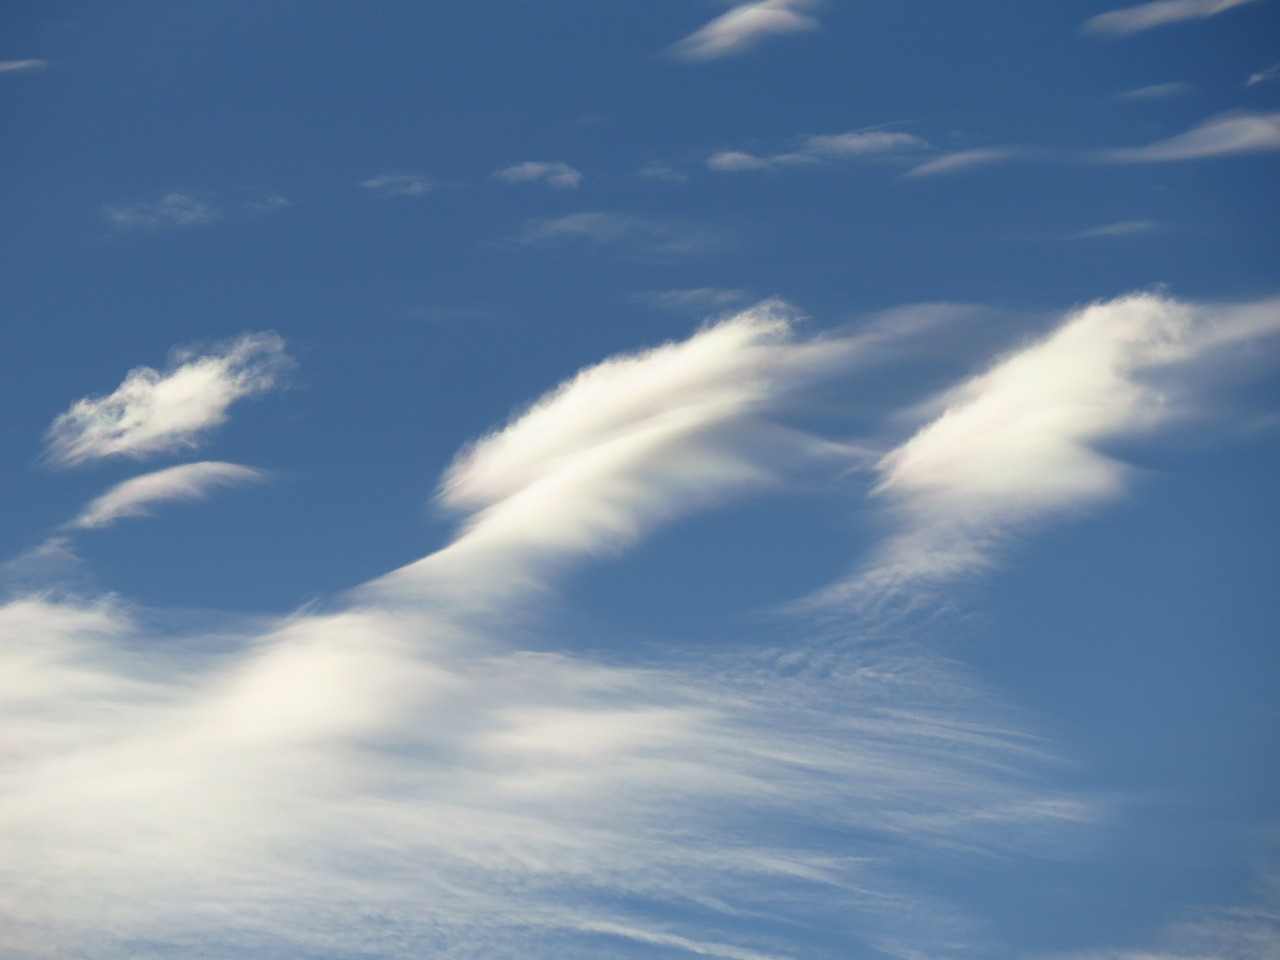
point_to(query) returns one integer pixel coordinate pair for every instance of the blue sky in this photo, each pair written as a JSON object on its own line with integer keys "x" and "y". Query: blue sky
{"x": 549, "y": 478}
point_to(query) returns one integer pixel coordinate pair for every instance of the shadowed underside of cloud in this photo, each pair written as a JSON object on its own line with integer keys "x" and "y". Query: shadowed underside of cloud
{"x": 153, "y": 412}
{"x": 136, "y": 497}
{"x": 1219, "y": 137}
{"x": 745, "y": 27}
{"x": 1147, "y": 15}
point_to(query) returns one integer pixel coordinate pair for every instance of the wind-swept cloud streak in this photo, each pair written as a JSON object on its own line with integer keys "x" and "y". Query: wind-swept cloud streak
{"x": 745, "y": 27}
{"x": 823, "y": 149}
{"x": 16, "y": 66}
{"x": 1219, "y": 137}
{"x": 400, "y": 777}
{"x": 623, "y": 232}
{"x": 153, "y": 412}
{"x": 966, "y": 160}
{"x": 1020, "y": 444}
{"x": 1158, "y": 14}
{"x": 138, "y": 496}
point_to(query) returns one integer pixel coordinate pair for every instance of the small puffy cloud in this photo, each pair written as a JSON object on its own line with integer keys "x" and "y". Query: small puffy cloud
{"x": 136, "y": 497}
{"x": 1219, "y": 137}
{"x": 554, "y": 173}
{"x": 822, "y": 148}
{"x": 397, "y": 185}
{"x": 153, "y": 412}
{"x": 171, "y": 210}
{"x": 1262, "y": 76}
{"x": 1156, "y": 91}
{"x": 964, "y": 160}
{"x": 1147, "y": 15}
{"x": 745, "y": 27}
{"x": 15, "y": 66}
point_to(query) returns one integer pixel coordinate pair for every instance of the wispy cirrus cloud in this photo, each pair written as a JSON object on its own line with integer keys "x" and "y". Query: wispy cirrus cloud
{"x": 745, "y": 27}
{"x": 16, "y": 66}
{"x": 153, "y": 412}
{"x": 398, "y": 185}
{"x": 967, "y": 160}
{"x": 1220, "y": 137}
{"x": 699, "y": 298}
{"x": 1262, "y": 76}
{"x": 624, "y": 232}
{"x": 554, "y": 173}
{"x": 1158, "y": 14}
{"x": 1122, "y": 228}
{"x": 138, "y": 496}
{"x": 1155, "y": 91}
{"x": 823, "y": 148}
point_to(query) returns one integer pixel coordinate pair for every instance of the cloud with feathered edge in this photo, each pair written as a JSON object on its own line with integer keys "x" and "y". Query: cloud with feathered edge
{"x": 138, "y": 496}
{"x": 1160, "y": 13}
{"x": 745, "y": 27}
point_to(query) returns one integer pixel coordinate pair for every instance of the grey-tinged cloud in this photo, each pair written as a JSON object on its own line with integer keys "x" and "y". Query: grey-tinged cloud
{"x": 398, "y": 185}
{"x": 402, "y": 777}
{"x": 1122, "y": 228}
{"x": 746, "y": 26}
{"x": 1158, "y": 14}
{"x": 623, "y": 232}
{"x": 1262, "y": 76}
{"x": 554, "y": 173}
{"x": 15, "y": 66}
{"x": 171, "y": 210}
{"x": 823, "y": 148}
{"x": 1220, "y": 137}
{"x": 153, "y": 412}
{"x": 138, "y": 496}
{"x": 1155, "y": 91}
{"x": 1022, "y": 442}
{"x": 966, "y": 160}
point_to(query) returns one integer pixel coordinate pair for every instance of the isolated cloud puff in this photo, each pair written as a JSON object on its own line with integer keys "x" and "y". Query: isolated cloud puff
{"x": 1147, "y": 15}
{"x": 398, "y": 185}
{"x": 171, "y": 210}
{"x": 554, "y": 173}
{"x": 14, "y": 66}
{"x": 1021, "y": 442}
{"x": 153, "y": 412}
{"x": 1219, "y": 137}
{"x": 746, "y": 26}
{"x": 137, "y": 497}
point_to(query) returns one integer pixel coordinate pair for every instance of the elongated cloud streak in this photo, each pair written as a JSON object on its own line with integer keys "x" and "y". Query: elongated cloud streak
{"x": 137, "y": 497}
{"x": 745, "y": 27}
{"x": 1220, "y": 137}
{"x": 823, "y": 148}
{"x": 153, "y": 412}
{"x": 1147, "y": 15}
{"x": 15, "y": 66}
{"x": 554, "y": 173}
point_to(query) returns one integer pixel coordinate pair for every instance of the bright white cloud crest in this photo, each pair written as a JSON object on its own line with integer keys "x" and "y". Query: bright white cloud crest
{"x": 402, "y": 778}
{"x": 137, "y": 497}
{"x": 1157, "y": 14}
{"x": 745, "y": 27}
{"x": 154, "y": 412}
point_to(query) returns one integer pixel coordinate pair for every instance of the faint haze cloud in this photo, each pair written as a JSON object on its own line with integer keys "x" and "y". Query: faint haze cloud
{"x": 16, "y": 66}
{"x": 397, "y": 185}
{"x": 699, "y": 298}
{"x": 1262, "y": 76}
{"x": 822, "y": 148}
{"x": 1160, "y": 13}
{"x": 746, "y": 26}
{"x": 171, "y": 210}
{"x": 1124, "y": 228}
{"x": 624, "y": 231}
{"x": 966, "y": 160}
{"x": 137, "y": 497}
{"x": 554, "y": 173}
{"x": 153, "y": 412}
{"x": 662, "y": 172}
{"x": 1156, "y": 91}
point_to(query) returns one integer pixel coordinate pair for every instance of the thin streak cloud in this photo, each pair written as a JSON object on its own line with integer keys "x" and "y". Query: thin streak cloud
{"x": 153, "y": 412}
{"x": 1220, "y": 137}
{"x": 16, "y": 66}
{"x": 1158, "y": 14}
{"x": 138, "y": 496}
{"x": 745, "y": 27}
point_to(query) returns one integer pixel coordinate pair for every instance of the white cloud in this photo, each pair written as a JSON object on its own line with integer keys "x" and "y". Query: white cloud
{"x": 641, "y": 236}
{"x": 171, "y": 210}
{"x": 1219, "y": 137}
{"x": 1124, "y": 228}
{"x": 14, "y": 66}
{"x": 153, "y": 412}
{"x": 1020, "y": 443}
{"x": 855, "y": 145}
{"x": 1262, "y": 76}
{"x": 136, "y": 497}
{"x": 1156, "y": 91}
{"x": 745, "y": 27}
{"x": 1147, "y": 15}
{"x": 654, "y": 170}
{"x": 554, "y": 173}
{"x": 965, "y": 160}
{"x": 398, "y": 184}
